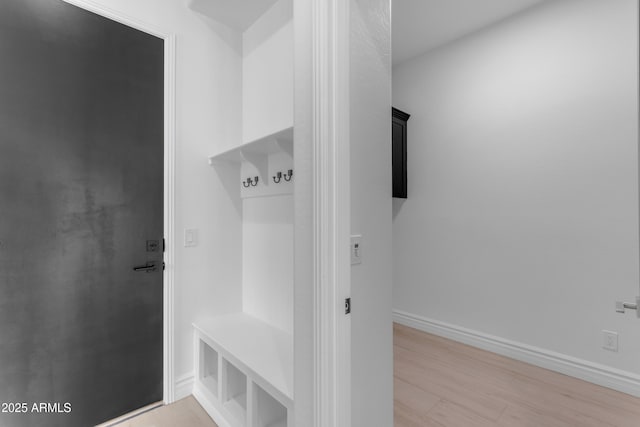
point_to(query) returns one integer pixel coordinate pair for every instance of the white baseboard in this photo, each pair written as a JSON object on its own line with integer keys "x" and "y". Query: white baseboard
{"x": 120, "y": 420}
{"x": 184, "y": 386}
{"x": 626, "y": 382}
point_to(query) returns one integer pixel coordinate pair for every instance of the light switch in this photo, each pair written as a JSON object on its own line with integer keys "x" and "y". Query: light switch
{"x": 356, "y": 249}
{"x": 190, "y": 237}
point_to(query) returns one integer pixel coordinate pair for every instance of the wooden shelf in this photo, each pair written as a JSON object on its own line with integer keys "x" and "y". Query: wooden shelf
{"x": 263, "y": 352}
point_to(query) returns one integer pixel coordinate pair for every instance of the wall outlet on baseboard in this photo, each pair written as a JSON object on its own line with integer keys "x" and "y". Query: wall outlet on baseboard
{"x": 610, "y": 340}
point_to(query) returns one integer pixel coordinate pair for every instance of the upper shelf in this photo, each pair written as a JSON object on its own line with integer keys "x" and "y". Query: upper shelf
{"x": 257, "y": 150}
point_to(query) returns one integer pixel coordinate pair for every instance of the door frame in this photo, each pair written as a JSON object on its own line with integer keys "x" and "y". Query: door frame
{"x": 169, "y": 178}
{"x": 322, "y": 333}
{"x": 331, "y": 105}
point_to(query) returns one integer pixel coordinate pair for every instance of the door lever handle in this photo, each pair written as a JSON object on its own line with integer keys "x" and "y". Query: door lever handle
{"x": 148, "y": 267}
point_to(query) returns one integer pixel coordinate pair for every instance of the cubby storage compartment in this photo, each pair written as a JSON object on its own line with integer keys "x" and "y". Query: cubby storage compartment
{"x": 268, "y": 411}
{"x": 235, "y": 392}
{"x": 255, "y": 370}
{"x": 208, "y": 374}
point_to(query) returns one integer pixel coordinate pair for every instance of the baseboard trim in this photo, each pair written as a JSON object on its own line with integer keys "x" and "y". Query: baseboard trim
{"x": 184, "y": 386}
{"x": 126, "y": 417}
{"x": 626, "y": 382}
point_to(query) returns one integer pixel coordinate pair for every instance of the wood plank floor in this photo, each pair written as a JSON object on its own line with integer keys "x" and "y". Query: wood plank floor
{"x": 183, "y": 413}
{"x": 441, "y": 383}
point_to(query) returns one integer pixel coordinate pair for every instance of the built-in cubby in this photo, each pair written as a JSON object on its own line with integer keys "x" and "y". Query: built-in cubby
{"x": 245, "y": 358}
{"x": 254, "y": 370}
{"x": 244, "y": 354}
{"x": 268, "y": 411}
{"x": 209, "y": 372}
{"x": 234, "y": 398}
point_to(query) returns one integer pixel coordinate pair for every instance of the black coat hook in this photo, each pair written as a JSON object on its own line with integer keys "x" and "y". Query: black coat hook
{"x": 288, "y": 175}
{"x": 254, "y": 183}
{"x": 248, "y": 182}
{"x": 279, "y": 176}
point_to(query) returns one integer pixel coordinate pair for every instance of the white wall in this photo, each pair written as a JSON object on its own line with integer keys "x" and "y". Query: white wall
{"x": 267, "y": 259}
{"x": 208, "y": 110}
{"x": 267, "y": 101}
{"x": 267, "y": 105}
{"x": 522, "y": 212}
{"x": 370, "y": 114}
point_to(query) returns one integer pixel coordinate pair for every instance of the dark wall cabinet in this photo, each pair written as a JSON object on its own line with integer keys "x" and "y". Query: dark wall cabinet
{"x": 399, "y": 152}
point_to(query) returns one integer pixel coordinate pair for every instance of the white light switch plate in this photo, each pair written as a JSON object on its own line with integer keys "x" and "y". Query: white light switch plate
{"x": 190, "y": 237}
{"x": 356, "y": 249}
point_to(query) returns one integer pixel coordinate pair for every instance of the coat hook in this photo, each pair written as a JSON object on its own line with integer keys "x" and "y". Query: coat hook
{"x": 289, "y": 175}
{"x": 254, "y": 183}
{"x": 247, "y": 183}
{"x": 279, "y": 176}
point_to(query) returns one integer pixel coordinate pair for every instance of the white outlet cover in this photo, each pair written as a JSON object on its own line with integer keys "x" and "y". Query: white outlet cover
{"x": 610, "y": 340}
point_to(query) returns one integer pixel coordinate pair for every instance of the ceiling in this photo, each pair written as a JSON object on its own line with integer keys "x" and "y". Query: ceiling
{"x": 421, "y": 25}
{"x": 237, "y": 14}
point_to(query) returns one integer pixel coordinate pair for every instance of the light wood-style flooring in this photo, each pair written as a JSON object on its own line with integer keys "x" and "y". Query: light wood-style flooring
{"x": 442, "y": 383}
{"x": 183, "y": 413}
{"x": 439, "y": 383}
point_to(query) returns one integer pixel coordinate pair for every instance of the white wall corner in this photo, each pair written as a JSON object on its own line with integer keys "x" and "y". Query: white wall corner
{"x": 184, "y": 386}
{"x": 616, "y": 379}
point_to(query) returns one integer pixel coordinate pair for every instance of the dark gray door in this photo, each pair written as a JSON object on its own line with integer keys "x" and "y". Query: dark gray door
{"x": 81, "y": 193}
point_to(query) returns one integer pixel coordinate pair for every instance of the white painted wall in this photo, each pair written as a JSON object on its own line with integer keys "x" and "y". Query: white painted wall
{"x": 370, "y": 112}
{"x": 208, "y": 110}
{"x": 267, "y": 107}
{"x": 267, "y": 100}
{"x": 425, "y": 24}
{"x": 522, "y": 216}
{"x": 267, "y": 260}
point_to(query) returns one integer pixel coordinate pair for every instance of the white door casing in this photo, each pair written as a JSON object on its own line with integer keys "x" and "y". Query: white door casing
{"x": 322, "y": 329}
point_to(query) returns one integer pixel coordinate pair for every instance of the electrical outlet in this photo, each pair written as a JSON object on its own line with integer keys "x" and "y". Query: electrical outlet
{"x": 610, "y": 340}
